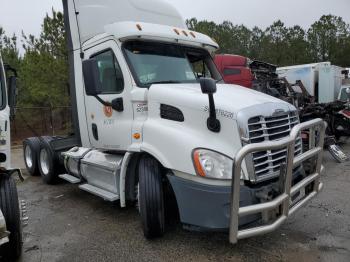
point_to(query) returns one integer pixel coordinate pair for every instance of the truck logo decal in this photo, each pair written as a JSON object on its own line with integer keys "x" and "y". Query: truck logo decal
{"x": 108, "y": 111}
{"x": 141, "y": 108}
{"x": 221, "y": 113}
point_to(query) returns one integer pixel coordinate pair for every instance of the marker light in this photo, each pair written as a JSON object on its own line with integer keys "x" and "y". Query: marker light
{"x": 137, "y": 136}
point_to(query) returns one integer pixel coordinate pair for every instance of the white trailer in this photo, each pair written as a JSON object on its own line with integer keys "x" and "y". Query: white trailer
{"x": 344, "y": 90}
{"x": 153, "y": 118}
{"x": 322, "y": 80}
{"x": 11, "y": 214}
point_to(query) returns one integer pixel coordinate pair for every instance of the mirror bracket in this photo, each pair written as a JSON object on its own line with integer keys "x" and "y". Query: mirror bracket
{"x": 208, "y": 87}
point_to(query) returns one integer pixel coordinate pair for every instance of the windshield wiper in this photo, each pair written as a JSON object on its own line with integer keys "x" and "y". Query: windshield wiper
{"x": 165, "y": 82}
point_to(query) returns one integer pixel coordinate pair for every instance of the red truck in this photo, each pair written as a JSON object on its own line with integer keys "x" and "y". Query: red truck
{"x": 235, "y": 69}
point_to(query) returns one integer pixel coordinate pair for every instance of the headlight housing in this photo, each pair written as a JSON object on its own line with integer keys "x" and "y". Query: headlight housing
{"x": 212, "y": 164}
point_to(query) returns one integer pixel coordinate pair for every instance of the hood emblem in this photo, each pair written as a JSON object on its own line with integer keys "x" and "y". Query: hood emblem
{"x": 278, "y": 112}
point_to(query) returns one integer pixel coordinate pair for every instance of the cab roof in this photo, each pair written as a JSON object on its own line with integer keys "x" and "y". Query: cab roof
{"x": 88, "y": 18}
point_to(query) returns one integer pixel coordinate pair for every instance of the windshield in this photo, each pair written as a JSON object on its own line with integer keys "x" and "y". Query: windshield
{"x": 153, "y": 63}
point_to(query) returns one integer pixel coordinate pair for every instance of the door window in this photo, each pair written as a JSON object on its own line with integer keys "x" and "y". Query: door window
{"x": 232, "y": 71}
{"x": 111, "y": 75}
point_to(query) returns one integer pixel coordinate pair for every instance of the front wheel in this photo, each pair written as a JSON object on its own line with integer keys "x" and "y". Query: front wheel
{"x": 10, "y": 208}
{"x": 151, "y": 198}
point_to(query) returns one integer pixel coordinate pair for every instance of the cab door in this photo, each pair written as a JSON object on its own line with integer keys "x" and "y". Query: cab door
{"x": 5, "y": 142}
{"x": 110, "y": 129}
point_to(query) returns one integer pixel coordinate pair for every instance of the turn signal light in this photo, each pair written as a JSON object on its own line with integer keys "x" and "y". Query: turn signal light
{"x": 137, "y": 136}
{"x": 197, "y": 164}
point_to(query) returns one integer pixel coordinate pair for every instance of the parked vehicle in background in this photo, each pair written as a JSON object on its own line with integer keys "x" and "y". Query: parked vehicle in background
{"x": 343, "y": 94}
{"x": 235, "y": 69}
{"x": 323, "y": 81}
{"x": 11, "y": 214}
{"x": 153, "y": 121}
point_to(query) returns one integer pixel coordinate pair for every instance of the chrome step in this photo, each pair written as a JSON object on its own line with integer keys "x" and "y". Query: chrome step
{"x": 106, "y": 195}
{"x": 70, "y": 179}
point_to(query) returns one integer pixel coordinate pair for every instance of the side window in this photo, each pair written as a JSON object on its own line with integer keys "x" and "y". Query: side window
{"x": 201, "y": 70}
{"x": 111, "y": 75}
{"x": 231, "y": 71}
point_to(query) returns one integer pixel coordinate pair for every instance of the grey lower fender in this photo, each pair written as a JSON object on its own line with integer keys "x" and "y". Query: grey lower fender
{"x": 207, "y": 207}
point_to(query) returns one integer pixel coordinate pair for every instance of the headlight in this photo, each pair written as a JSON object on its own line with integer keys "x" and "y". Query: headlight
{"x": 211, "y": 164}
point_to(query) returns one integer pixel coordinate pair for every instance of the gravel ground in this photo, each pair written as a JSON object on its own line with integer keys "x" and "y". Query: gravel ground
{"x": 67, "y": 224}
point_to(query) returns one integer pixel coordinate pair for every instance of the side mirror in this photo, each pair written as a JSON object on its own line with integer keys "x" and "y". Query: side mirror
{"x": 93, "y": 86}
{"x": 208, "y": 87}
{"x": 12, "y": 95}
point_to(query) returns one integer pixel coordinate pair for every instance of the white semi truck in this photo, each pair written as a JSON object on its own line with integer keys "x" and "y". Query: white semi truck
{"x": 11, "y": 213}
{"x": 153, "y": 119}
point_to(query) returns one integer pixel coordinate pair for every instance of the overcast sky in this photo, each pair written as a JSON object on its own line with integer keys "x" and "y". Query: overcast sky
{"x": 27, "y": 15}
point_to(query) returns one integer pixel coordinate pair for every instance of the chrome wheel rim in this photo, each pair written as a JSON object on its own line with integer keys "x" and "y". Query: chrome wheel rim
{"x": 28, "y": 157}
{"x": 44, "y": 162}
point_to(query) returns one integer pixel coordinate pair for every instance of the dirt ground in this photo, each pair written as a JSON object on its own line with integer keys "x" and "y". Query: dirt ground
{"x": 67, "y": 224}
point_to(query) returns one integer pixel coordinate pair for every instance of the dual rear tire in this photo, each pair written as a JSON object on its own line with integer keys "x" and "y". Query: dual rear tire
{"x": 31, "y": 148}
{"x": 48, "y": 162}
{"x": 40, "y": 158}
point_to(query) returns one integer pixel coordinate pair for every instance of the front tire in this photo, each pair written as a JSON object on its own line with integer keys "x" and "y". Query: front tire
{"x": 10, "y": 208}
{"x": 151, "y": 198}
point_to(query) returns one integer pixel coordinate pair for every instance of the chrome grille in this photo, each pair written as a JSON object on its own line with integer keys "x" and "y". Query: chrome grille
{"x": 267, "y": 164}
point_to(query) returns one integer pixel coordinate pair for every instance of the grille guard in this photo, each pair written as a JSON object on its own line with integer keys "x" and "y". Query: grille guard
{"x": 283, "y": 200}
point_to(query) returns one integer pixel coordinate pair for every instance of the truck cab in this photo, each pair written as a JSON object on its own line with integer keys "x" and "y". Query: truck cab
{"x": 11, "y": 214}
{"x": 235, "y": 69}
{"x": 153, "y": 118}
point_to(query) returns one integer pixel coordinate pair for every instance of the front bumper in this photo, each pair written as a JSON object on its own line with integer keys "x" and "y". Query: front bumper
{"x": 286, "y": 203}
{"x": 205, "y": 207}
{"x": 236, "y": 207}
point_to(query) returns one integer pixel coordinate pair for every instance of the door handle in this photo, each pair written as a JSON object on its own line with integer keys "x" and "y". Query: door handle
{"x": 94, "y": 131}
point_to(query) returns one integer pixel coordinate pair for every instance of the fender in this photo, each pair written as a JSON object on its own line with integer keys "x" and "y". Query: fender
{"x": 125, "y": 165}
{"x": 156, "y": 153}
{"x": 12, "y": 171}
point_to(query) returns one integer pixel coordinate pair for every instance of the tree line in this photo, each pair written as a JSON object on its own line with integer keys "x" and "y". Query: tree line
{"x": 328, "y": 39}
{"x": 43, "y": 64}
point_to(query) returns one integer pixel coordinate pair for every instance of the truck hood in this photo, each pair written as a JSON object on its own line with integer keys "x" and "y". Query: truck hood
{"x": 229, "y": 99}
